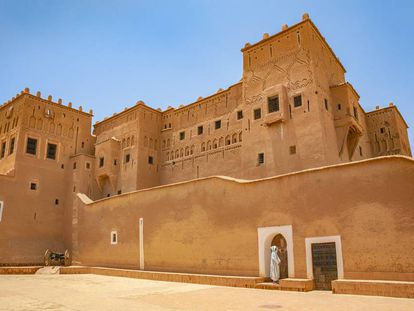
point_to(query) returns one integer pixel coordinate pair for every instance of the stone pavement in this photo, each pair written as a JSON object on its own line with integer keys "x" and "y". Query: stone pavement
{"x": 95, "y": 292}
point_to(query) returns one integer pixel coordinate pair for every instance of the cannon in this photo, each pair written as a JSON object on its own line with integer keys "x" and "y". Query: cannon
{"x": 57, "y": 258}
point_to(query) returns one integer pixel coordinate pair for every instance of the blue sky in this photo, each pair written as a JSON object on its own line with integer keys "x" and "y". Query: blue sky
{"x": 106, "y": 55}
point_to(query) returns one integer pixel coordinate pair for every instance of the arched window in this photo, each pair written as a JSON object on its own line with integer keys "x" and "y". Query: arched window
{"x": 203, "y": 147}
{"x": 234, "y": 138}
{"x": 123, "y": 143}
{"x": 215, "y": 144}
{"x": 168, "y": 143}
{"x": 209, "y": 145}
{"x": 240, "y": 136}
{"x": 128, "y": 142}
{"x": 187, "y": 151}
{"x": 168, "y": 156}
{"x": 163, "y": 144}
{"x": 181, "y": 152}
{"x": 192, "y": 150}
{"x": 221, "y": 142}
{"x": 177, "y": 153}
{"x": 228, "y": 141}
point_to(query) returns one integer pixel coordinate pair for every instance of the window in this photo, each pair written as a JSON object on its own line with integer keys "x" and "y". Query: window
{"x": 115, "y": 162}
{"x": 82, "y": 145}
{"x": 200, "y": 130}
{"x": 101, "y": 162}
{"x": 217, "y": 124}
{"x": 11, "y": 147}
{"x": 56, "y": 201}
{"x": 74, "y": 165}
{"x": 119, "y": 191}
{"x": 114, "y": 237}
{"x": 239, "y": 114}
{"x": 182, "y": 135}
{"x": 356, "y": 113}
{"x": 51, "y": 151}
{"x": 3, "y": 149}
{"x": 260, "y": 158}
{"x": 31, "y": 146}
{"x": 292, "y": 149}
{"x": 33, "y": 186}
{"x": 360, "y": 151}
{"x": 382, "y": 130}
{"x": 88, "y": 165}
{"x": 297, "y": 101}
{"x": 257, "y": 113}
{"x": 127, "y": 158}
{"x": 150, "y": 160}
{"x": 273, "y": 104}
{"x": 326, "y": 104}
{"x": 339, "y": 107}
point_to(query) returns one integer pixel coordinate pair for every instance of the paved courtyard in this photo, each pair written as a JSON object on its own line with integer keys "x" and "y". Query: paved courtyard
{"x": 94, "y": 292}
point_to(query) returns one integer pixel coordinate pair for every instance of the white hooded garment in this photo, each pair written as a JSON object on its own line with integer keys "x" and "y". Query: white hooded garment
{"x": 274, "y": 264}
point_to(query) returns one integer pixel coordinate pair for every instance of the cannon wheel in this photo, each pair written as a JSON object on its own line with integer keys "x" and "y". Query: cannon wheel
{"x": 47, "y": 257}
{"x": 67, "y": 258}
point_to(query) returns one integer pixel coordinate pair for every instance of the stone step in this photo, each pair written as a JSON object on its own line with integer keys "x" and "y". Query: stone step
{"x": 290, "y": 284}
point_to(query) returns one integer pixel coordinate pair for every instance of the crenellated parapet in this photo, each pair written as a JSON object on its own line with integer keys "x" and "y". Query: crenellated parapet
{"x": 48, "y": 100}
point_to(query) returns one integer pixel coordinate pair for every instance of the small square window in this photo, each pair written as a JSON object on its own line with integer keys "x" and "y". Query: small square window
{"x": 297, "y": 101}
{"x": 326, "y": 104}
{"x": 119, "y": 191}
{"x": 33, "y": 186}
{"x": 182, "y": 135}
{"x": 51, "y": 151}
{"x": 114, "y": 237}
{"x": 257, "y": 113}
{"x": 150, "y": 160}
{"x": 31, "y": 146}
{"x": 260, "y": 158}
{"x": 292, "y": 149}
{"x": 200, "y": 130}
{"x": 88, "y": 165}
{"x": 239, "y": 114}
{"x": 273, "y": 104}
{"x": 101, "y": 161}
{"x": 127, "y": 158}
{"x": 217, "y": 124}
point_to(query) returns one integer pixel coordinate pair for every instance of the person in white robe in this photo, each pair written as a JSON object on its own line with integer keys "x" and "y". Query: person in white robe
{"x": 274, "y": 264}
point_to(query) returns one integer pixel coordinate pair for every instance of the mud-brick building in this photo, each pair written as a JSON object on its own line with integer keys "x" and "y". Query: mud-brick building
{"x": 286, "y": 156}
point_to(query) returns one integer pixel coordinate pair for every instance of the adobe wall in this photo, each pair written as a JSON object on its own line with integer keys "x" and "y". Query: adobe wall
{"x": 210, "y": 225}
{"x": 31, "y": 222}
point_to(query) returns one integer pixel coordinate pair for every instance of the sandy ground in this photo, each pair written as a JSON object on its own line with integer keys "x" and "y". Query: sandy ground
{"x": 94, "y": 292}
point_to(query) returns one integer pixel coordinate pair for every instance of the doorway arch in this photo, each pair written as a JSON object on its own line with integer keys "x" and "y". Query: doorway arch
{"x": 265, "y": 238}
{"x": 280, "y": 241}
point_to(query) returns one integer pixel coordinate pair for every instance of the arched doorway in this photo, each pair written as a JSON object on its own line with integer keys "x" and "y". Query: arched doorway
{"x": 281, "y": 244}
